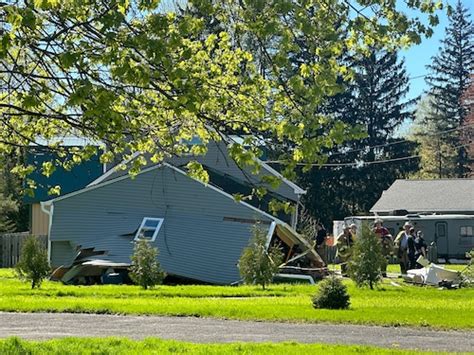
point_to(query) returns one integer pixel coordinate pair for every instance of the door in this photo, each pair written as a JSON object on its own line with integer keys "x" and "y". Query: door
{"x": 441, "y": 238}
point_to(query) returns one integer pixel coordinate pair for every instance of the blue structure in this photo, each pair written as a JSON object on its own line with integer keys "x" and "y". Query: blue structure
{"x": 199, "y": 229}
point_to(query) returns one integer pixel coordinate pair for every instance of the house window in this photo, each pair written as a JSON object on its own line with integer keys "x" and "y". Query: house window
{"x": 466, "y": 231}
{"x": 149, "y": 229}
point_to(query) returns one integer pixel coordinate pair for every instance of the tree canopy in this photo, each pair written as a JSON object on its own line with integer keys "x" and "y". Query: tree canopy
{"x": 140, "y": 78}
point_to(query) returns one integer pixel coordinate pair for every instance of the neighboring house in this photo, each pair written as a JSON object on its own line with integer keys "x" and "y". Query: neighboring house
{"x": 199, "y": 229}
{"x": 77, "y": 178}
{"x": 443, "y": 196}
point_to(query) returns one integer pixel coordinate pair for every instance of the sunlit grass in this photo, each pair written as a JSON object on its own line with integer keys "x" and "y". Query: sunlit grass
{"x": 395, "y": 268}
{"x": 388, "y": 305}
{"x": 158, "y": 346}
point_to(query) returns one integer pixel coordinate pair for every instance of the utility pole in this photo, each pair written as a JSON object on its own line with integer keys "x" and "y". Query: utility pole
{"x": 440, "y": 163}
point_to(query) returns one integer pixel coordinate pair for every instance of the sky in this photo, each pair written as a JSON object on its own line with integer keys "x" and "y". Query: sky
{"x": 417, "y": 57}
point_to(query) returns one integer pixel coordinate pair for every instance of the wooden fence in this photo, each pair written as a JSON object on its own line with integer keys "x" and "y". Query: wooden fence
{"x": 10, "y": 247}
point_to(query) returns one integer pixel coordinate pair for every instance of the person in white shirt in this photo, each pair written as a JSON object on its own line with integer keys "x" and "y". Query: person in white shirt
{"x": 401, "y": 247}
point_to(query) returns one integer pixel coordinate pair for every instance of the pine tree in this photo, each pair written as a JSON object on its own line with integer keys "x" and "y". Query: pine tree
{"x": 256, "y": 264}
{"x": 8, "y": 207}
{"x": 374, "y": 100}
{"x": 437, "y": 156}
{"x": 449, "y": 79}
{"x": 145, "y": 269}
{"x": 33, "y": 265}
{"x": 367, "y": 259}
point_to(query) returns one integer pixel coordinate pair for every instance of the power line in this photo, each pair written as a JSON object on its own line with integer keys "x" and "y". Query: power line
{"x": 417, "y": 77}
{"x": 404, "y": 140}
{"x": 360, "y": 163}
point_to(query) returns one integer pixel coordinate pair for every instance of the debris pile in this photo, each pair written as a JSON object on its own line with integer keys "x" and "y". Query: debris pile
{"x": 434, "y": 275}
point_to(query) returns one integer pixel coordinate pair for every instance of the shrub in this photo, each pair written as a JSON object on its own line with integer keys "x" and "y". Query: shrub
{"x": 367, "y": 259}
{"x": 145, "y": 269}
{"x": 332, "y": 294}
{"x": 256, "y": 264}
{"x": 33, "y": 265}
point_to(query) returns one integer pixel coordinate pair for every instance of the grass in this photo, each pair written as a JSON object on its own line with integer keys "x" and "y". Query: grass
{"x": 157, "y": 346}
{"x": 389, "y": 305}
{"x": 395, "y": 268}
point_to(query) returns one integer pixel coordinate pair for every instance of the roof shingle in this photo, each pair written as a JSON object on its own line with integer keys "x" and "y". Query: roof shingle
{"x": 443, "y": 195}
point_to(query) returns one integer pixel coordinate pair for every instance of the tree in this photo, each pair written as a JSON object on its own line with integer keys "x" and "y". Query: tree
{"x": 307, "y": 226}
{"x": 13, "y": 213}
{"x": 33, "y": 265}
{"x": 7, "y": 206}
{"x": 449, "y": 79}
{"x": 367, "y": 259}
{"x": 437, "y": 155}
{"x": 375, "y": 101}
{"x": 141, "y": 80}
{"x": 257, "y": 265}
{"x": 145, "y": 269}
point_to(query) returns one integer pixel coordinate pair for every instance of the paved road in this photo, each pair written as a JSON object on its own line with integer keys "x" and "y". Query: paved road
{"x": 39, "y": 326}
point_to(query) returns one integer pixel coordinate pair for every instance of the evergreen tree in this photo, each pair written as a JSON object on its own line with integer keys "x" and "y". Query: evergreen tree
{"x": 331, "y": 294}
{"x": 437, "y": 156}
{"x": 145, "y": 269}
{"x": 8, "y": 206}
{"x": 449, "y": 79}
{"x": 256, "y": 264}
{"x": 367, "y": 259}
{"x": 33, "y": 265}
{"x": 374, "y": 100}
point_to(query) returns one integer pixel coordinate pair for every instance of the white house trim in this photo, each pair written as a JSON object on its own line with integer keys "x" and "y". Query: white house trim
{"x": 113, "y": 170}
{"x": 49, "y": 212}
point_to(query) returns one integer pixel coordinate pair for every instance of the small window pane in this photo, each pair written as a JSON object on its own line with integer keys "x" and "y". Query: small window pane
{"x": 149, "y": 228}
{"x": 441, "y": 230}
{"x": 147, "y": 233}
{"x": 153, "y": 223}
{"x": 466, "y": 231}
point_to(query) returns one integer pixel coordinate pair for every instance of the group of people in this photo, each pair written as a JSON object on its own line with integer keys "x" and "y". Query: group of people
{"x": 408, "y": 246}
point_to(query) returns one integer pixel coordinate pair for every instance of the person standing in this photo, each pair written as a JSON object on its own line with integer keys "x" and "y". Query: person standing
{"x": 321, "y": 235}
{"x": 420, "y": 248}
{"x": 411, "y": 249}
{"x": 344, "y": 248}
{"x": 386, "y": 242}
{"x": 353, "y": 227}
{"x": 401, "y": 247}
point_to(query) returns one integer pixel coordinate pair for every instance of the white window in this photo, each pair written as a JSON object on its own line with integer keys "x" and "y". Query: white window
{"x": 466, "y": 231}
{"x": 149, "y": 229}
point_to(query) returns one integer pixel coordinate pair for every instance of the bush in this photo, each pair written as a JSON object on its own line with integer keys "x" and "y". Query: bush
{"x": 145, "y": 269}
{"x": 256, "y": 264}
{"x": 332, "y": 294}
{"x": 367, "y": 259}
{"x": 33, "y": 265}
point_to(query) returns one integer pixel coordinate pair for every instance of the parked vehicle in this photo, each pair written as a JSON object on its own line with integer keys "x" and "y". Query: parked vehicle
{"x": 451, "y": 235}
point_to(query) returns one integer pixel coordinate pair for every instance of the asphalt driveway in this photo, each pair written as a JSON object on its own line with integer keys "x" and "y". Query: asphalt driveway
{"x": 40, "y": 326}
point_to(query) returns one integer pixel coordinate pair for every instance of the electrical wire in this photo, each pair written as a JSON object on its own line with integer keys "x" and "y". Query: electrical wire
{"x": 404, "y": 140}
{"x": 359, "y": 163}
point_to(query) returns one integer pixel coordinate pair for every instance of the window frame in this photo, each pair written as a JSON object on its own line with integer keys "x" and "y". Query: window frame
{"x": 466, "y": 228}
{"x": 142, "y": 227}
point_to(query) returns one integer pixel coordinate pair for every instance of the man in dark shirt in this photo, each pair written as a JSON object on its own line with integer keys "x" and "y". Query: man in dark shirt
{"x": 321, "y": 235}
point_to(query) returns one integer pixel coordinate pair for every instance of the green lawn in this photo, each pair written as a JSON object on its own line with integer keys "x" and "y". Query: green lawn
{"x": 395, "y": 268}
{"x": 389, "y": 305}
{"x": 157, "y": 346}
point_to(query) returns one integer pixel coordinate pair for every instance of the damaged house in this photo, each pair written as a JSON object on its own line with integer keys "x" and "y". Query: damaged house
{"x": 199, "y": 229}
